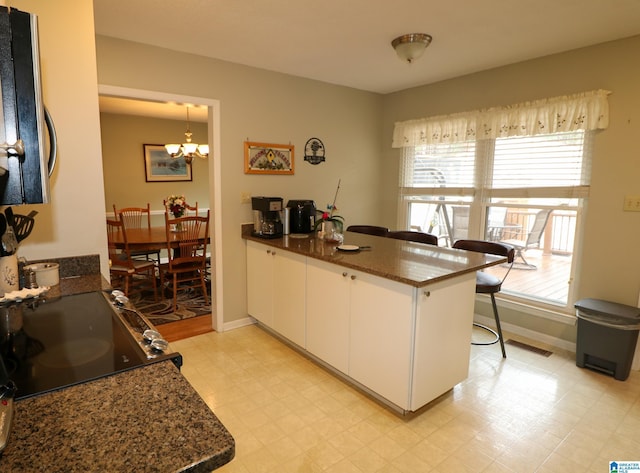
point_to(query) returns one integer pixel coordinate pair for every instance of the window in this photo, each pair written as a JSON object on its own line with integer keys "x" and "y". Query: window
{"x": 527, "y": 190}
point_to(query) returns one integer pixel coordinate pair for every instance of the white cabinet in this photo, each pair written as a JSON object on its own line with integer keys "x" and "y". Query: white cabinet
{"x": 260, "y": 283}
{"x": 443, "y": 337}
{"x": 381, "y": 336}
{"x": 328, "y": 288}
{"x": 361, "y": 325}
{"x": 276, "y": 290}
{"x": 404, "y": 344}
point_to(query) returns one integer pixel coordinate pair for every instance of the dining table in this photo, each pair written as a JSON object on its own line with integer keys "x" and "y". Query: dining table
{"x": 152, "y": 238}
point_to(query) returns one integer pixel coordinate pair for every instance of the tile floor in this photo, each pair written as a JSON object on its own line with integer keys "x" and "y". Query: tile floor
{"x": 527, "y": 413}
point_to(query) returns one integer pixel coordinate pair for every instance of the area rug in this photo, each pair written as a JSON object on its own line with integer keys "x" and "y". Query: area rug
{"x": 191, "y": 304}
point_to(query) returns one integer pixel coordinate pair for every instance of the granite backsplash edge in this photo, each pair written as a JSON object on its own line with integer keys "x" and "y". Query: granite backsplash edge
{"x": 74, "y": 265}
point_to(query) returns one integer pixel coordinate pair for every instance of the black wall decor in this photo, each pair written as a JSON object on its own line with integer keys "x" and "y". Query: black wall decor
{"x": 314, "y": 151}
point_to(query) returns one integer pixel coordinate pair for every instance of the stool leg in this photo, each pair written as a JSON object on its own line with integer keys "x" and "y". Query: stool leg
{"x": 495, "y": 314}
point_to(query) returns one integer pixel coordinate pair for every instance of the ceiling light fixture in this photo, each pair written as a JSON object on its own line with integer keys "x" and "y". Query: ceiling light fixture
{"x": 187, "y": 149}
{"x": 410, "y": 47}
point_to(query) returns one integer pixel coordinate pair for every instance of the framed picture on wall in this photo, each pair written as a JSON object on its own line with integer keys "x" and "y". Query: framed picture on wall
{"x": 267, "y": 158}
{"x": 159, "y": 166}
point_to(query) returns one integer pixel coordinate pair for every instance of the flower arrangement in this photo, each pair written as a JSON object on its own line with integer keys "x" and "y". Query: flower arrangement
{"x": 177, "y": 205}
{"x": 328, "y": 216}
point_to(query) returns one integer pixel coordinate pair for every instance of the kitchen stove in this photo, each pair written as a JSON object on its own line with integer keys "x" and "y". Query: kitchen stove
{"x": 51, "y": 344}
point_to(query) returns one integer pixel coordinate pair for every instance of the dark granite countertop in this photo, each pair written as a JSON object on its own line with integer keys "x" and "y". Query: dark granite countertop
{"x": 416, "y": 264}
{"x": 148, "y": 419}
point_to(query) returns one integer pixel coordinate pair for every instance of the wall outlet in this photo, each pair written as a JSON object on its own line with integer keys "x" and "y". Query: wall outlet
{"x": 245, "y": 197}
{"x": 631, "y": 203}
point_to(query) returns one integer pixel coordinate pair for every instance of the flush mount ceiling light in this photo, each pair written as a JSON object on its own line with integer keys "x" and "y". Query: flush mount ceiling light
{"x": 187, "y": 149}
{"x": 410, "y": 47}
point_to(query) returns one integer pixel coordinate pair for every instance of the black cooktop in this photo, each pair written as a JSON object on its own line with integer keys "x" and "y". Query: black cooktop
{"x": 47, "y": 345}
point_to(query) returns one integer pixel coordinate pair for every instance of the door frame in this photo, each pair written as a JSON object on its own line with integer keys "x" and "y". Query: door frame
{"x": 214, "y": 168}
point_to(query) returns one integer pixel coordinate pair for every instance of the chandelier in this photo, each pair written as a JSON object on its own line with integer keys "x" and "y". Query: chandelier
{"x": 187, "y": 149}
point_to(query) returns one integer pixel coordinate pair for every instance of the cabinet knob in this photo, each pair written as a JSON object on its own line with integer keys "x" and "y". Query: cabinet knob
{"x": 427, "y": 293}
{"x": 268, "y": 252}
{"x": 345, "y": 274}
{"x": 353, "y": 276}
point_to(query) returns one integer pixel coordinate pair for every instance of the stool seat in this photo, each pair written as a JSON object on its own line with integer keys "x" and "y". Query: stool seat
{"x": 487, "y": 283}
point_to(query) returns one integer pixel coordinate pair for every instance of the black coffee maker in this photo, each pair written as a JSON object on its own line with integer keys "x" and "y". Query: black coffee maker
{"x": 266, "y": 216}
{"x": 302, "y": 216}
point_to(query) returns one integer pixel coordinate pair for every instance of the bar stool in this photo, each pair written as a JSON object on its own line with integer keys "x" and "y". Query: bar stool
{"x": 409, "y": 235}
{"x": 489, "y": 284}
{"x": 368, "y": 229}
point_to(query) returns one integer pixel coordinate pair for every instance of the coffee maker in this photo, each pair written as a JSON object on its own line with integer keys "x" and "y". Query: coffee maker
{"x": 302, "y": 217}
{"x": 266, "y": 216}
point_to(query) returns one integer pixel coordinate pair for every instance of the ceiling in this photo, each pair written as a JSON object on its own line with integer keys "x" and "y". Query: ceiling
{"x": 348, "y": 42}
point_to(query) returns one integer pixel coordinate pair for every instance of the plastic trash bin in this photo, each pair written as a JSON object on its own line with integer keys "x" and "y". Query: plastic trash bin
{"x": 607, "y": 336}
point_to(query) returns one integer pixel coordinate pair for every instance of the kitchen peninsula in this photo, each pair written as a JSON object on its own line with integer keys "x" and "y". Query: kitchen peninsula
{"x": 394, "y": 319}
{"x": 144, "y": 419}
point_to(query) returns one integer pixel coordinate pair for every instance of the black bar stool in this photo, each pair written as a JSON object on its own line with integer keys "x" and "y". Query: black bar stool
{"x": 487, "y": 283}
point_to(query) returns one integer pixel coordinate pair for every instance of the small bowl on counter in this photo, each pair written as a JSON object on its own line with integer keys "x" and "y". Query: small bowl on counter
{"x": 47, "y": 274}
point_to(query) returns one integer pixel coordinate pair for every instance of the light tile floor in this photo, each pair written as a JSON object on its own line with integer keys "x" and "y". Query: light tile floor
{"x": 527, "y": 413}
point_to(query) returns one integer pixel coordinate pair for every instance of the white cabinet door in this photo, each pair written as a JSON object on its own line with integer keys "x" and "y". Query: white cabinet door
{"x": 328, "y": 313}
{"x": 443, "y": 338}
{"x": 381, "y": 336}
{"x": 289, "y": 295}
{"x": 276, "y": 290}
{"x": 260, "y": 282}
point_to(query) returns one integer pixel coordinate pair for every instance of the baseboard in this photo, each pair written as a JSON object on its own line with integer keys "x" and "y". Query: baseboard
{"x": 515, "y": 329}
{"x": 237, "y": 324}
{"x": 531, "y": 334}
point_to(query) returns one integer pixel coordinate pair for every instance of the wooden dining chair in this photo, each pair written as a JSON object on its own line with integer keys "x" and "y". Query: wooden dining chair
{"x": 191, "y": 209}
{"x": 138, "y": 217}
{"x": 186, "y": 268}
{"x": 134, "y": 273}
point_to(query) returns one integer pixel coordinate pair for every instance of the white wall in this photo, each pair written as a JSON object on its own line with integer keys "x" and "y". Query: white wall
{"x": 608, "y": 265}
{"x": 73, "y": 224}
{"x": 263, "y": 106}
{"x": 123, "y": 137}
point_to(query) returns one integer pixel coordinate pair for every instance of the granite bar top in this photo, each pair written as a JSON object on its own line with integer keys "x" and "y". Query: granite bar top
{"x": 148, "y": 419}
{"x": 416, "y": 264}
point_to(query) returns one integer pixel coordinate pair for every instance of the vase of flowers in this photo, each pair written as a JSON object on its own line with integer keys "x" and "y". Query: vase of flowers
{"x": 176, "y": 204}
{"x": 329, "y": 226}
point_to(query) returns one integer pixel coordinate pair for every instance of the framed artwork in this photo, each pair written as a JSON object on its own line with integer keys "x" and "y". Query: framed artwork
{"x": 268, "y": 158}
{"x": 159, "y": 166}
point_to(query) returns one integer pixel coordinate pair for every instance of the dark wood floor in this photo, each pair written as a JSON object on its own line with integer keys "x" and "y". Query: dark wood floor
{"x": 181, "y": 329}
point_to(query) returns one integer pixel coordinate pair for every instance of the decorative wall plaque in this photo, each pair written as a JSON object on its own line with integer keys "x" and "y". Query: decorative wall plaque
{"x": 314, "y": 151}
{"x": 267, "y": 158}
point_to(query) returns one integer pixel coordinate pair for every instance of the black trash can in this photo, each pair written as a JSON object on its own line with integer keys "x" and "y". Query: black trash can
{"x": 607, "y": 336}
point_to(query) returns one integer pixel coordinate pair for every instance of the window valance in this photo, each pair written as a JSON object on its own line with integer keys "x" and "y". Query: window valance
{"x": 584, "y": 111}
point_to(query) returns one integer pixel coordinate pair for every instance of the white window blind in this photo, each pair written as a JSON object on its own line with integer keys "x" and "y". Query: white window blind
{"x": 439, "y": 166}
{"x": 539, "y": 161}
{"x": 556, "y": 165}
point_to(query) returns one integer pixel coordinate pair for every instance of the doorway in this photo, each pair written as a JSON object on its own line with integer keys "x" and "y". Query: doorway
{"x": 214, "y": 170}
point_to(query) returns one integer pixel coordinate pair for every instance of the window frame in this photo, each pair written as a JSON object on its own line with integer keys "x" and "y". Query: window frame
{"x": 482, "y": 193}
